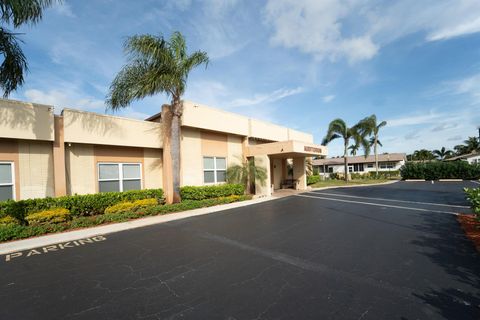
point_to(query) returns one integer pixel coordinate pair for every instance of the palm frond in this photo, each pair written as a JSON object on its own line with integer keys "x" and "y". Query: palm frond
{"x": 14, "y": 64}
{"x": 154, "y": 66}
{"x": 18, "y": 12}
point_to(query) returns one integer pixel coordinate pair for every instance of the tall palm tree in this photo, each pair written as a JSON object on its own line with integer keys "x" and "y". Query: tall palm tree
{"x": 472, "y": 144}
{"x": 353, "y": 149}
{"x": 443, "y": 153}
{"x": 157, "y": 66}
{"x": 423, "y": 155}
{"x": 16, "y": 13}
{"x": 369, "y": 126}
{"x": 460, "y": 149}
{"x": 339, "y": 129}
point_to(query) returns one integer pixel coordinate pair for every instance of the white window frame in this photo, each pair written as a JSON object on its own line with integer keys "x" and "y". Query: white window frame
{"x": 215, "y": 170}
{"x": 120, "y": 174}
{"x": 12, "y": 172}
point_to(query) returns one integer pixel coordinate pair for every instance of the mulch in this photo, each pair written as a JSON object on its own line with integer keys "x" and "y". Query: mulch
{"x": 471, "y": 225}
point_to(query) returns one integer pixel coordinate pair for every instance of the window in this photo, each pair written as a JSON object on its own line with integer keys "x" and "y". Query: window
{"x": 330, "y": 169}
{"x": 7, "y": 181}
{"x": 350, "y": 169}
{"x": 358, "y": 167}
{"x": 214, "y": 169}
{"x": 370, "y": 165}
{"x": 119, "y": 177}
{"x": 386, "y": 165}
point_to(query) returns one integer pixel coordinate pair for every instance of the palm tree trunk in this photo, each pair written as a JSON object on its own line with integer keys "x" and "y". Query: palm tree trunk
{"x": 345, "y": 152}
{"x": 375, "y": 142}
{"x": 177, "y": 109}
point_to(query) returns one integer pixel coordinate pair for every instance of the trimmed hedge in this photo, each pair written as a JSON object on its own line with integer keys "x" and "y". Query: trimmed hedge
{"x": 313, "y": 179}
{"x": 55, "y": 215}
{"x": 12, "y": 231}
{"x": 440, "y": 170}
{"x": 473, "y": 195}
{"x": 209, "y": 192}
{"x": 131, "y": 205}
{"x": 78, "y": 205}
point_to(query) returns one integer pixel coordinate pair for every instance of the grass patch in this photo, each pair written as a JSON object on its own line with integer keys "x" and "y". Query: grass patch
{"x": 337, "y": 183}
{"x": 9, "y": 231}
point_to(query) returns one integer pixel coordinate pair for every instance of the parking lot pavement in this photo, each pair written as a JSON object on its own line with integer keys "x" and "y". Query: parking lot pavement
{"x": 376, "y": 252}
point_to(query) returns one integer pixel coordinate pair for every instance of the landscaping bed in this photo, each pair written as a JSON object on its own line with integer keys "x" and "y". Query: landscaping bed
{"x": 335, "y": 183}
{"x": 471, "y": 223}
{"x": 29, "y": 218}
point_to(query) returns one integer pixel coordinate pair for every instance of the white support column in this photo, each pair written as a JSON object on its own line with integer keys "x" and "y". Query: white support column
{"x": 263, "y": 189}
{"x": 299, "y": 172}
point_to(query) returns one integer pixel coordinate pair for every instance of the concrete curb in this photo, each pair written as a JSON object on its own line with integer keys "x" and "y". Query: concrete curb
{"x": 356, "y": 185}
{"x": 451, "y": 180}
{"x": 414, "y": 180}
{"x": 49, "y": 239}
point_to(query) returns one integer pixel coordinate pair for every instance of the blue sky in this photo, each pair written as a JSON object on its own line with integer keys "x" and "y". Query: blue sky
{"x": 298, "y": 63}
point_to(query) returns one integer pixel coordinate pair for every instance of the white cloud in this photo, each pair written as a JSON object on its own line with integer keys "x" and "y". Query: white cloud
{"x": 415, "y": 119}
{"x": 328, "y": 98}
{"x": 459, "y": 30}
{"x": 64, "y": 9}
{"x": 62, "y": 99}
{"x": 357, "y": 29}
{"x": 265, "y": 97}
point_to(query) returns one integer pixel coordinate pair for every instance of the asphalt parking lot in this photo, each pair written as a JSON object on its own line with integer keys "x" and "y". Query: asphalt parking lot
{"x": 380, "y": 252}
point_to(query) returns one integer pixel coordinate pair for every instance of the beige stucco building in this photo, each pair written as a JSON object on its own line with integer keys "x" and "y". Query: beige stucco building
{"x": 44, "y": 155}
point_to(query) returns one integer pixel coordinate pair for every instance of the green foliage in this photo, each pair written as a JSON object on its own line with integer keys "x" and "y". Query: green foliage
{"x": 155, "y": 66}
{"x": 208, "y": 192}
{"x": 313, "y": 179}
{"x": 7, "y": 220}
{"x": 248, "y": 170}
{"x": 78, "y": 205}
{"x": 440, "y": 170}
{"x": 473, "y": 195}
{"x": 16, "y": 13}
{"x": 195, "y": 204}
{"x": 334, "y": 176}
{"x": 131, "y": 205}
{"x": 55, "y": 215}
{"x": 16, "y": 231}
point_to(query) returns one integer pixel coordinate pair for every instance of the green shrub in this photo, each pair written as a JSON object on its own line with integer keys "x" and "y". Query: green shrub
{"x": 313, "y": 179}
{"x": 334, "y": 176}
{"x": 131, "y": 205}
{"x": 209, "y": 192}
{"x": 55, "y": 215}
{"x": 473, "y": 195}
{"x": 440, "y": 170}
{"x": 78, "y": 205}
{"x": 383, "y": 174}
{"x": 16, "y": 231}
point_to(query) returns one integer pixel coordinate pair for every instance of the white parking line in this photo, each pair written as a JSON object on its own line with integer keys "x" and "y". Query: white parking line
{"x": 392, "y": 200}
{"x": 475, "y": 181}
{"x": 378, "y": 204}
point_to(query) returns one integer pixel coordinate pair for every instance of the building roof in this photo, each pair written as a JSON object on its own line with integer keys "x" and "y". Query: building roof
{"x": 361, "y": 159}
{"x": 464, "y": 156}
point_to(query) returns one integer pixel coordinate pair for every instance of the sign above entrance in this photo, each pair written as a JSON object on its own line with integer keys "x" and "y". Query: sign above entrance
{"x": 312, "y": 149}
{"x": 287, "y": 149}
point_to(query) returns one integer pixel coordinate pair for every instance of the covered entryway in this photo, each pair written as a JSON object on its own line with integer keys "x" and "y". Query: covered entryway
{"x": 285, "y": 162}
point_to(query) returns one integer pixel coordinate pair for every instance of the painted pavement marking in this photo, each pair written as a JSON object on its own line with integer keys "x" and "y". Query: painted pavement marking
{"x": 392, "y": 200}
{"x": 378, "y": 204}
{"x": 53, "y": 247}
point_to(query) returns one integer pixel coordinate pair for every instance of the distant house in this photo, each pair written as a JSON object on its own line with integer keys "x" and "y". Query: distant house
{"x": 360, "y": 164}
{"x": 471, "y": 158}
